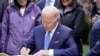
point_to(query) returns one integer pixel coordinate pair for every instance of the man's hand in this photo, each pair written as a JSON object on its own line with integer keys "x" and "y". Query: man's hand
{"x": 25, "y": 51}
{"x": 42, "y": 53}
{"x": 95, "y": 18}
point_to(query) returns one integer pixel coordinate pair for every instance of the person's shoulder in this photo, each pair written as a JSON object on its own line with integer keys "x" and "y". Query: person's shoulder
{"x": 38, "y": 27}
{"x": 66, "y": 28}
{"x": 79, "y": 7}
{"x": 35, "y": 7}
{"x": 10, "y": 8}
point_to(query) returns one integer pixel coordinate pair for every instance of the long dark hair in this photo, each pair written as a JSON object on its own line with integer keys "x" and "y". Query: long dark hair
{"x": 73, "y": 2}
{"x": 18, "y": 5}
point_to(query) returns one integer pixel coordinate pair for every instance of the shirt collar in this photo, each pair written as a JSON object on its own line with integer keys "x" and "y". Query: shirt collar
{"x": 52, "y": 31}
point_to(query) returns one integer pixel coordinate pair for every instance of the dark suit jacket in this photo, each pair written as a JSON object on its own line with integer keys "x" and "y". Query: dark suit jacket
{"x": 95, "y": 51}
{"x": 42, "y": 3}
{"x": 62, "y": 41}
{"x": 95, "y": 34}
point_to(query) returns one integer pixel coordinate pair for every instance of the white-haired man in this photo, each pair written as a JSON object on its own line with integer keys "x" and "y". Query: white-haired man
{"x": 51, "y": 38}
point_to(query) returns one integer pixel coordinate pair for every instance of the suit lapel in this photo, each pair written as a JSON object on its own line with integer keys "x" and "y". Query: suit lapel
{"x": 55, "y": 37}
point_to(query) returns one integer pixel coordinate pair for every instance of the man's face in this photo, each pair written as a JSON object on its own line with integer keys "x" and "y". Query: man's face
{"x": 97, "y": 3}
{"x": 49, "y": 21}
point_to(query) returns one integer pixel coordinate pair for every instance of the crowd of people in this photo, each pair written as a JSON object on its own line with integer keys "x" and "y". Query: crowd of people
{"x": 48, "y": 27}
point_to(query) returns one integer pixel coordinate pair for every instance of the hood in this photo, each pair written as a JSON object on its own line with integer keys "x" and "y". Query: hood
{"x": 13, "y": 7}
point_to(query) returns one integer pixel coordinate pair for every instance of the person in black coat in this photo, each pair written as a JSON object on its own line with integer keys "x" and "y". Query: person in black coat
{"x": 73, "y": 16}
{"x": 95, "y": 33}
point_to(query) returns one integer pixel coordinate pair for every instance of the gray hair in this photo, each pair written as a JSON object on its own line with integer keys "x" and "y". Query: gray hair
{"x": 52, "y": 9}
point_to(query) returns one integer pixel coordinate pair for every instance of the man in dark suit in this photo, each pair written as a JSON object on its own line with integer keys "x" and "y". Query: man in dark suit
{"x": 95, "y": 34}
{"x": 95, "y": 51}
{"x": 51, "y": 38}
{"x": 43, "y": 3}
{"x": 95, "y": 40}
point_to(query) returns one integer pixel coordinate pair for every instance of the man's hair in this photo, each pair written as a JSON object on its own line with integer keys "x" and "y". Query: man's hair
{"x": 52, "y": 9}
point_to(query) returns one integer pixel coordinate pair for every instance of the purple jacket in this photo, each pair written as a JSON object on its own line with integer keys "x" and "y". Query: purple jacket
{"x": 17, "y": 29}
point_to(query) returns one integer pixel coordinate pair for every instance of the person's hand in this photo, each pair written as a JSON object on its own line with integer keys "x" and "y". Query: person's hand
{"x": 3, "y": 54}
{"x": 42, "y": 53}
{"x": 25, "y": 51}
{"x": 95, "y": 18}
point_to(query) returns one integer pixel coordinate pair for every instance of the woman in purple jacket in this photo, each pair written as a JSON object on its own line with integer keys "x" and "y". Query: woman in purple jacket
{"x": 19, "y": 20}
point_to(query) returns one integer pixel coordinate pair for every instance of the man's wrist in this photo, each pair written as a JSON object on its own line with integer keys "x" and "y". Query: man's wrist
{"x": 51, "y": 52}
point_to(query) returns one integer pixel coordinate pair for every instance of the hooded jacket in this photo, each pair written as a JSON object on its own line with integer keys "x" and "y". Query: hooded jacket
{"x": 17, "y": 29}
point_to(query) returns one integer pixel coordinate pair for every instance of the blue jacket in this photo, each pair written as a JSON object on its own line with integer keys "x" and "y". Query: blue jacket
{"x": 95, "y": 51}
{"x": 95, "y": 34}
{"x": 17, "y": 29}
{"x": 62, "y": 41}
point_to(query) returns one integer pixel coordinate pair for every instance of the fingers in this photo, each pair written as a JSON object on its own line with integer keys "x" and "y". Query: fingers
{"x": 25, "y": 51}
{"x": 95, "y": 18}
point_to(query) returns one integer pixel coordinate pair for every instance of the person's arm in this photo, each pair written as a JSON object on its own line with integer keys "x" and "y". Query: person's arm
{"x": 5, "y": 31}
{"x": 29, "y": 45}
{"x": 79, "y": 22}
{"x": 95, "y": 51}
